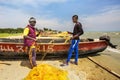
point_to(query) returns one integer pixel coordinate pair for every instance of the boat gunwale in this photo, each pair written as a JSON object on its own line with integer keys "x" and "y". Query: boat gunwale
{"x": 55, "y": 43}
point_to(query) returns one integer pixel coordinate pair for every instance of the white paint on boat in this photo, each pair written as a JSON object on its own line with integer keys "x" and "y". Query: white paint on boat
{"x": 96, "y": 40}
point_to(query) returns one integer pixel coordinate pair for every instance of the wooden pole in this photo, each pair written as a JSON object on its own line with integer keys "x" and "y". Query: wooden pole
{"x": 104, "y": 67}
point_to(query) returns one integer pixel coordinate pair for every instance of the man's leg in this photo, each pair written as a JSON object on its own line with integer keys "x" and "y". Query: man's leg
{"x": 76, "y": 52}
{"x": 32, "y": 57}
{"x": 70, "y": 51}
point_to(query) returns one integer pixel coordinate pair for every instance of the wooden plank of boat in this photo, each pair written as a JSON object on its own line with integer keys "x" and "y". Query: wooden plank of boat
{"x": 56, "y": 48}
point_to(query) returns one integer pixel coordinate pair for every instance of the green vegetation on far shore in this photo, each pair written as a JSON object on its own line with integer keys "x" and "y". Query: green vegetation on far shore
{"x": 11, "y": 30}
{"x": 2, "y": 35}
{"x": 7, "y": 32}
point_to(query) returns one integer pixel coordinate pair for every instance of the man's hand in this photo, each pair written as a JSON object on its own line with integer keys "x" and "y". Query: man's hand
{"x": 31, "y": 38}
{"x": 69, "y": 32}
{"x": 35, "y": 39}
{"x": 71, "y": 38}
{"x": 40, "y": 31}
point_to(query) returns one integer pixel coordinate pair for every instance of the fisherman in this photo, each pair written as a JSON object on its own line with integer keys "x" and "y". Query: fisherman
{"x": 77, "y": 31}
{"x": 30, "y": 40}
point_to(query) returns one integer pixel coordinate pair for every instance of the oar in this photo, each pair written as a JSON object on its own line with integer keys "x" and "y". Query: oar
{"x": 104, "y": 67}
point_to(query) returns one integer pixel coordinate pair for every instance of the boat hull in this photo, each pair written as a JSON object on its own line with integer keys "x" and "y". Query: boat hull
{"x": 7, "y": 48}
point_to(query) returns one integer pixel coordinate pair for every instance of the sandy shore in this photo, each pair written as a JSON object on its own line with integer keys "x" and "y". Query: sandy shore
{"x": 86, "y": 70}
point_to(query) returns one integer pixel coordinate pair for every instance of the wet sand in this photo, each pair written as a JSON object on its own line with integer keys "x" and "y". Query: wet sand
{"x": 110, "y": 60}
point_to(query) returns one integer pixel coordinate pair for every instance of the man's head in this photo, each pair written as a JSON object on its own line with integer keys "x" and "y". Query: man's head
{"x": 75, "y": 18}
{"x": 32, "y": 21}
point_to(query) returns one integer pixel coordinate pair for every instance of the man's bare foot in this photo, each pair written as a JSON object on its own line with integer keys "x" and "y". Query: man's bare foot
{"x": 76, "y": 63}
{"x": 64, "y": 64}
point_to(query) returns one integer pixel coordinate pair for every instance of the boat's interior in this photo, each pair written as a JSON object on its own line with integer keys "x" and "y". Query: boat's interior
{"x": 44, "y": 40}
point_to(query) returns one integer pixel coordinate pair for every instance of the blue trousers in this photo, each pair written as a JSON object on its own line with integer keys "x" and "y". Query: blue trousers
{"x": 73, "y": 47}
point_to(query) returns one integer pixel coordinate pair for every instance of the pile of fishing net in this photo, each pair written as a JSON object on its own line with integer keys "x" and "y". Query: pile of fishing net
{"x": 47, "y": 72}
{"x": 64, "y": 34}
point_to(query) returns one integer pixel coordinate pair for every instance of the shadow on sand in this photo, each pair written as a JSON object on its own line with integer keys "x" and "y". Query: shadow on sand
{"x": 25, "y": 63}
{"x": 49, "y": 57}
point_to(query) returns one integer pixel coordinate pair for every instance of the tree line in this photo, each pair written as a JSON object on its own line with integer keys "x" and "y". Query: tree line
{"x": 19, "y": 30}
{"x": 11, "y": 30}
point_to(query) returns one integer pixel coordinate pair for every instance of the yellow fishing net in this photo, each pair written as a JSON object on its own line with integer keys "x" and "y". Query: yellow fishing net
{"x": 64, "y": 35}
{"x": 47, "y": 72}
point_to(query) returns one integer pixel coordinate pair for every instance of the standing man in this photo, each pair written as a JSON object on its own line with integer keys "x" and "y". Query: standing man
{"x": 77, "y": 31}
{"x": 30, "y": 40}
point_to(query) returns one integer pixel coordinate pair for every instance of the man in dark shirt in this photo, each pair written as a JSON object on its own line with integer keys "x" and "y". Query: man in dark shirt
{"x": 77, "y": 31}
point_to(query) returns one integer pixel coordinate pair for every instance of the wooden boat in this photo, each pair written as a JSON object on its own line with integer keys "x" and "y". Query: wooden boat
{"x": 50, "y": 46}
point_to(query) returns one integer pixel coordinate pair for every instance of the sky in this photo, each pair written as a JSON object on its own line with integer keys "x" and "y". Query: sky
{"x": 95, "y": 15}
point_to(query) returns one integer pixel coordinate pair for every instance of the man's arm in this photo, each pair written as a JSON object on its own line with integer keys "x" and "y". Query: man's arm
{"x": 69, "y": 32}
{"x": 30, "y": 38}
{"x": 80, "y": 30}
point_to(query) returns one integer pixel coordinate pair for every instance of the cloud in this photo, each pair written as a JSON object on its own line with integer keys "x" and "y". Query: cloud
{"x": 12, "y": 17}
{"x": 108, "y": 19}
{"x": 55, "y": 24}
{"x": 34, "y": 3}
{"x": 17, "y": 18}
{"x": 14, "y": 14}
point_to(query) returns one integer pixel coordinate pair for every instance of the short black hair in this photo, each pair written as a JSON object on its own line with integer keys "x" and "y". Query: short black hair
{"x": 75, "y": 16}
